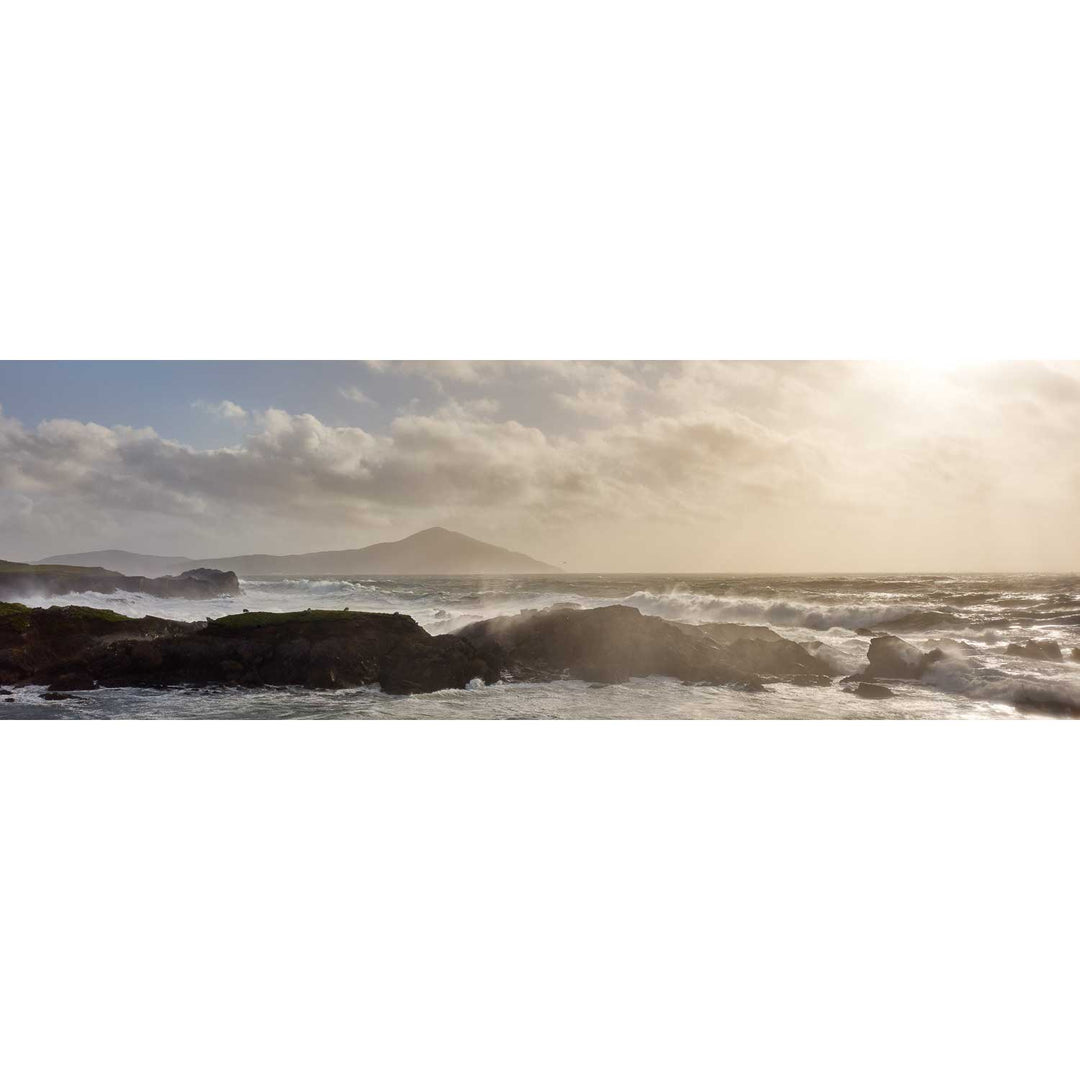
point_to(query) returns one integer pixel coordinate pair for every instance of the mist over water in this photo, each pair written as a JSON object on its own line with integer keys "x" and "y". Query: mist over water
{"x": 982, "y": 614}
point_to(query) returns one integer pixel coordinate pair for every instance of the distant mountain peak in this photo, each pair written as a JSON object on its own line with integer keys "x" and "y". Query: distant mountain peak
{"x": 436, "y": 550}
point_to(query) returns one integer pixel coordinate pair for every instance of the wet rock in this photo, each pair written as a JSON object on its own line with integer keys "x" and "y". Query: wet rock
{"x": 52, "y": 695}
{"x": 73, "y": 681}
{"x": 607, "y": 645}
{"x": 890, "y": 657}
{"x": 72, "y": 648}
{"x": 1035, "y": 650}
{"x": 871, "y": 690}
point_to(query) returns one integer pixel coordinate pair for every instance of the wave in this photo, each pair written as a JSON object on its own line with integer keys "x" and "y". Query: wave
{"x": 698, "y": 608}
{"x": 1058, "y": 695}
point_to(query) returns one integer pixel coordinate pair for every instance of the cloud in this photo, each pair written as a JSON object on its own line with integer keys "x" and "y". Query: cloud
{"x": 707, "y": 466}
{"x": 224, "y": 410}
{"x": 355, "y": 394}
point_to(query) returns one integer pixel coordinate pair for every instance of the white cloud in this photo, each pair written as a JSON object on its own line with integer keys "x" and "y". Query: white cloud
{"x": 224, "y": 410}
{"x": 356, "y": 395}
{"x": 708, "y": 466}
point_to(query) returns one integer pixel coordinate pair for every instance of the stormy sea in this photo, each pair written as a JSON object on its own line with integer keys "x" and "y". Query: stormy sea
{"x": 973, "y": 620}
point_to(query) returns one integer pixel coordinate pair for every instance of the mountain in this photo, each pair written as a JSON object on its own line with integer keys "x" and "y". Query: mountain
{"x": 433, "y": 551}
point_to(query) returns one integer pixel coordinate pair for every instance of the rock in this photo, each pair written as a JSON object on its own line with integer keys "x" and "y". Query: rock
{"x": 871, "y": 690}
{"x": 51, "y": 695}
{"x": 41, "y": 644}
{"x": 436, "y": 664}
{"x": 890, "y": 657}
{"x": 72, "y": 648}
{"x": 1036, "y": 650}
{"x": 730, "y": 633}
{"x": 762, "y": 651}
{"x": 606, "y": 645}
{"x": 73, "y": 681}
{"x": 1076, "y": 654}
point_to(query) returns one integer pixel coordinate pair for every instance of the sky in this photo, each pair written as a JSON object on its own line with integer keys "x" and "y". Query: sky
{"x": 783, "y": 466}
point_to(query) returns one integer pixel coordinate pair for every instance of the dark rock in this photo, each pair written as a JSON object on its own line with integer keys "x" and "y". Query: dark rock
{"x": 1076, "y": 654}
{"x": 871, "y": 690}
{"x": 72, "y": 648}
{"x": 606, "y": 645}
{"x": 1047, "y": 701}
{"x": 1036, "y": 650}
{"x": 730, "y": 633}
{"x": 73, "y": 681}
{"x": 890, "y": 657}
{"x": 51, "y": 695}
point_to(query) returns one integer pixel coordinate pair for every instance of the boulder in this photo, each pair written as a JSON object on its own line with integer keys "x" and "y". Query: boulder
{"x": 871, "y": 690}
{"x": 1035, "y": 650}
{"x": 76, "y": 648}
{"x": 73, "y": 681}
{"x": 617, "y": 642}
{"x": 890, "y": 657}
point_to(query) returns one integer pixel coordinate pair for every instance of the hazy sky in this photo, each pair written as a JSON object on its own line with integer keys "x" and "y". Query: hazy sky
{"x": 781, "y": 466}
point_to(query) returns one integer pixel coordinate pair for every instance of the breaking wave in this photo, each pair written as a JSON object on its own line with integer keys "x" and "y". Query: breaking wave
{"x": 1057, "y": 694}
{"x": 698, "y": 608}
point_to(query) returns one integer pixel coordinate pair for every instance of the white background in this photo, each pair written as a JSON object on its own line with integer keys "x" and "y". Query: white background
{"x": 538, "y": 180}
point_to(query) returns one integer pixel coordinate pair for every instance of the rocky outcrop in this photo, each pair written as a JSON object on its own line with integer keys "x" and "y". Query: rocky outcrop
{"x": 78, "y": 648}
{"x": 871, "y": 690}
{"x": 43, "y": 644}
{"x": 603, "y": 645}
{"x": 764, "y": 652}
{"x": 890, "y": 657}
{"x": 1036, "y": 650}
{"x": 19, "y": 580}
{"x": 615, "y": 643}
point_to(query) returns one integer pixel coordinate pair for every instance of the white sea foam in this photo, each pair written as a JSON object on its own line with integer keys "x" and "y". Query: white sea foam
{"x": 699, "y": 607}
{"x": 1041, "y": 688}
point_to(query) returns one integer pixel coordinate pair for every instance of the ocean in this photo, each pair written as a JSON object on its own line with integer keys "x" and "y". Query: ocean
{"x": 983, "y": 613}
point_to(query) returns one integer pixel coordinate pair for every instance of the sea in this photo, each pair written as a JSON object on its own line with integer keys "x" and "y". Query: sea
{"x": 984, "y": 614}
